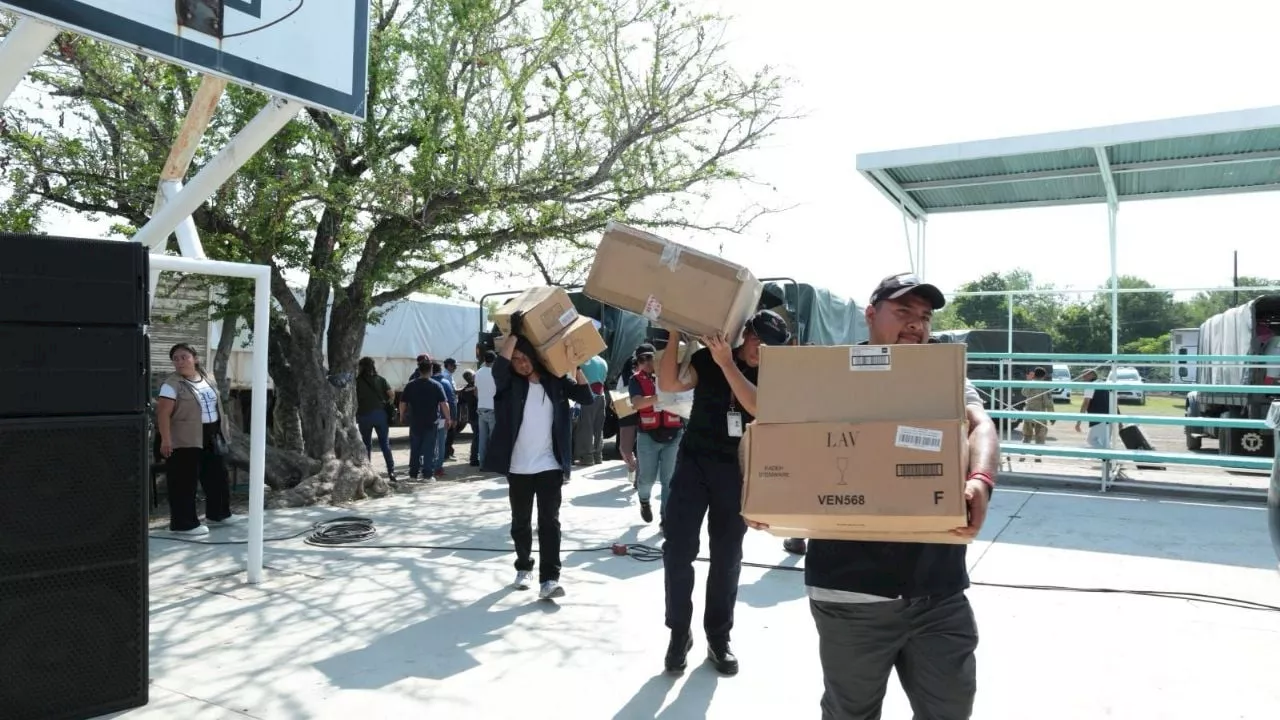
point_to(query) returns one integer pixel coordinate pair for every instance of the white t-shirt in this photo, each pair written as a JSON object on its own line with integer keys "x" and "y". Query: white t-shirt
{"x": 486, "y": 388}
{"x": 205, "y": 395}
{"x": 534, "y": 451}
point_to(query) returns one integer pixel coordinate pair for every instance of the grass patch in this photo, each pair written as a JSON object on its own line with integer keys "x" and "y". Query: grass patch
{"x": 1157, "y": 405}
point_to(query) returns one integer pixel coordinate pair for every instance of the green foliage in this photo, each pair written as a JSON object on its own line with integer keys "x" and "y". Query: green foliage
{"x": 1146, "y": 318}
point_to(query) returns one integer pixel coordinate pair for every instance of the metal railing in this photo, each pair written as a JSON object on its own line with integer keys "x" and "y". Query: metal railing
{"x": 1111, "y": 456}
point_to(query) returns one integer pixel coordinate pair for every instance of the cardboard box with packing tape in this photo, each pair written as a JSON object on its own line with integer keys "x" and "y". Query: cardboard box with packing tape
{"x": 859, "y": 443}
{"x": 576, "y": 344}
{"x": 547, "y": 312}
{"x": 669, "y": 283}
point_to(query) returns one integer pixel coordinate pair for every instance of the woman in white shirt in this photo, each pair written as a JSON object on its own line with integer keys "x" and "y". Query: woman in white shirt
{"x": 193, "y": 438}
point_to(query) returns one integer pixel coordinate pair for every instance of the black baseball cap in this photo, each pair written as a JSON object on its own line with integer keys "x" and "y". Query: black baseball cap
{"x": 896, "y": 286}
{"x": 769, "y": 327}
{"x": 645, "y": 350}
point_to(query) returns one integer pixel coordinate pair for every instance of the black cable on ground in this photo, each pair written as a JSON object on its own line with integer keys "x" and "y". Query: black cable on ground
{"x": 347, "y": 531}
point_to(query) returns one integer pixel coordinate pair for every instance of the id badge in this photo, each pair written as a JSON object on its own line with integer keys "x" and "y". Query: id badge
{"x": 735, "y": 424}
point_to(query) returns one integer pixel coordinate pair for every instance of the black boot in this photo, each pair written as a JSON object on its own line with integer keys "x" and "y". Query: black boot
{"x": 646, "y": 512}
{"x": 718, "y": 652}
{"x": 678, "y": 651}
{"x": 795, "y": 546}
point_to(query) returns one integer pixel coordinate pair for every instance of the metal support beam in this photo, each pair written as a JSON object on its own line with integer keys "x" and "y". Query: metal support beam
{"x": 203, "y": 106}
{"x": 261, "y": 276}
{"x": 1108, "y": 180}
{"x": 277, "y": 113}
{"x": 23, "y": 46}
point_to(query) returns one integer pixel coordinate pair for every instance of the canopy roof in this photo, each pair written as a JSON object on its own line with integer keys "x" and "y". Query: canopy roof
{"x": 1222, "y": 153}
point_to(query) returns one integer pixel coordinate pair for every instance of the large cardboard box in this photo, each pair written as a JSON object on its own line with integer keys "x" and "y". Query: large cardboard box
{"x": 860, "y": 382}
{"x": 547, "y": 311}
{"x": 862, "y": 442}
{"x": 698, "y": 293}
{"x": 818, "y": 479}
{"x": 578, "y": 343}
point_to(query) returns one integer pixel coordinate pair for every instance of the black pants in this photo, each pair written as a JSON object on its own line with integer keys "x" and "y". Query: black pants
{"x": 930, "y": 641}
{"x": 183, "y": 468}
{"x": 703, "y": 487}
{"x": 522, "y": 490}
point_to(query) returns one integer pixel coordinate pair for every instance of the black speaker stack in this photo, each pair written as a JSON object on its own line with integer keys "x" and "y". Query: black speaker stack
{"x": 74, "y": 394}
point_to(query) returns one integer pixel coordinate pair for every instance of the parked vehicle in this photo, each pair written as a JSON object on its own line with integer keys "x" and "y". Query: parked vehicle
{"x": 1129, "y": 375}
{"x": 1061, "y": 373}
{"x": 1184, "y": 341}
{"x": 1250, "y": 329}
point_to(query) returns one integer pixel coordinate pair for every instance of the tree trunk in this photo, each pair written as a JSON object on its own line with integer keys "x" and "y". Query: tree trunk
{"x": 287, "y": 422}
{"x": 327, "y": 414}
{"x": 221, "y": 363}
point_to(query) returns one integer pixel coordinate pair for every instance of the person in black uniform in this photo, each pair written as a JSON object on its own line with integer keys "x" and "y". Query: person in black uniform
{"x": 708, "y": 481}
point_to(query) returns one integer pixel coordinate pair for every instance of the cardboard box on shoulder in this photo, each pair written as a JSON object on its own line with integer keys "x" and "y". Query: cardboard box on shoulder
{"x": 859, "y": 443}
{"x": 576, "y": 344}
{"x": 547, "y": 312}
{"x": 666, "y": 282}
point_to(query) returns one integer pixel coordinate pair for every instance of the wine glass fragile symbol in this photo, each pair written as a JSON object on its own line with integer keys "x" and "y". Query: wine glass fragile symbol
{"x": 842, "y": 464}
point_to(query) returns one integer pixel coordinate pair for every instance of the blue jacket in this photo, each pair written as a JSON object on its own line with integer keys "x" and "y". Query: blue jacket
{"x": 508, "y": 407}
{"x": 450, "y": 394}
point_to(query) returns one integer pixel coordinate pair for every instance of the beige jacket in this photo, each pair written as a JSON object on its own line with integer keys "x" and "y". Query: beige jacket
{"x": 185, "y": 428}
{"x": 1038, "y": 398}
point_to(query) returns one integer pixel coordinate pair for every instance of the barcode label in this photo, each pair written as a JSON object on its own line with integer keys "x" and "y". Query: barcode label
{"x": 910, "y": 470}
{"x": 870, "y": 357}
{"x": 918, "y": 439}
{"x": 568, "y": 317}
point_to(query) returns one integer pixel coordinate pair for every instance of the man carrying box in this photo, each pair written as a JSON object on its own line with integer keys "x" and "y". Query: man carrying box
{"x": 880, "y": 606}
{"x": 708, "y": 480}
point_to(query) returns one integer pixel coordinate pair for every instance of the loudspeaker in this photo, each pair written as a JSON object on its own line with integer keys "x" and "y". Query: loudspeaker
{"x": 74, "y": 472}
{"x": 47, "y": 279}
{"x": 49, "y": 370}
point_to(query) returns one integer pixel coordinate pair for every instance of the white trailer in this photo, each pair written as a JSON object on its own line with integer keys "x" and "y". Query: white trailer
{"x": 1184, "y": 341}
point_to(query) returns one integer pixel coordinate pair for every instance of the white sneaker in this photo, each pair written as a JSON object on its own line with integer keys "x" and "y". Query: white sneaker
{"x": 550, "y": 589}
{"x": 197, "y": 530}
{"x": 523, "y": 578}
{"x": 229, "y": 520}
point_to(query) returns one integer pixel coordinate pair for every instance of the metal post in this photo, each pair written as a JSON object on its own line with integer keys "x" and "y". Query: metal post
{"x": 277, "y": 113}
{"x": 1008, "y": 392}
{"x": 258, "y": 422}
{"x": 261, "y": 275}
{"x": 21, "y": 48}
{"x": 1273, "y": 494}
{"x": 924, "y": 246}
{"x": 1112, "y": 427}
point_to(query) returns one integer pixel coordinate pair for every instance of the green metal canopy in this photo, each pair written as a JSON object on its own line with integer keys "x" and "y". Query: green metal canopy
{"x": 1223, "y": 153}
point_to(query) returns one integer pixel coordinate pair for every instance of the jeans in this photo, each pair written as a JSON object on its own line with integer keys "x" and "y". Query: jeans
{"x": 422, "y": 449}
{"x": 657, "y": 464}
{"x": 522, "y": 490}
{"x": 484, "y": 428}
{"x": 376, "y": 420}
{"x": 186, "y": 466}
{"x": 442, "y": 436}
{"x": 703, "y": 487}
{"x": 930, "y": 641}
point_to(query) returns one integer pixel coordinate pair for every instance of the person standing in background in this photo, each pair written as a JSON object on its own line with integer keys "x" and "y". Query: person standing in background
{"x": 450, "y": 367}
{"x": 193, "y": 432}
{"x": 485, "y": 392}
{"x": 1037, "y": 399}
{"x": 373, "y": 397}
{"x": 422, "y": 403}
{"x": 627, "y": 426}
{"x": 588, "y": 444}
{"x": 445, "y": 420}
{"x": 657, "y": 439}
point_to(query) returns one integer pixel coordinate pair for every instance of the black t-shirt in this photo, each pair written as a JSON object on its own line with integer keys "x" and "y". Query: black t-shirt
{"x": 707, "y": 430}
{"x": 1099, "y": 404}
{"x": 423, "y": 396}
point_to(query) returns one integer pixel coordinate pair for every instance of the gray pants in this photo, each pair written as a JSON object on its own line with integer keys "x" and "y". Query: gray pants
{"x": 588, "y": 439}
{"x": 930, "y": 641}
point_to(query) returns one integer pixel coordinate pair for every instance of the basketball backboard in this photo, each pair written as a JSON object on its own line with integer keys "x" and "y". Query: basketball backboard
{"x": 313, "y": 51}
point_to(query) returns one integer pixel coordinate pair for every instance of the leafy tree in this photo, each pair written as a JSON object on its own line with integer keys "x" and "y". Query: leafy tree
{"x": 1030, "y": 312}
{"x": 1205, "y": 304}
{"x": 494, "y": 128}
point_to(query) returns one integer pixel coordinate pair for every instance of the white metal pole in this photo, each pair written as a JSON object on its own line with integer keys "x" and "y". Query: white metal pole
{"x": 258, "y": 421}
{"x": 261, "y": 275}
{"x": 924, "y": 246}
{"x": 277, "y": 113}
{"x": 20, "y": 50}
{"x": 1008, "y": 398}
{"x": 1112, "y": 428}
{"x": 188, "y": 236}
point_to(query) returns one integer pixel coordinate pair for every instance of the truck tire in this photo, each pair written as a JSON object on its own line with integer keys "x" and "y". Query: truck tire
{"x": 1194, "y": 442}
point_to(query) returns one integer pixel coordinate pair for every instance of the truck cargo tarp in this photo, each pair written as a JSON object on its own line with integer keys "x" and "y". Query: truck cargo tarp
{"x": 440, "y": 327}
{"x": 821, "y": 317}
